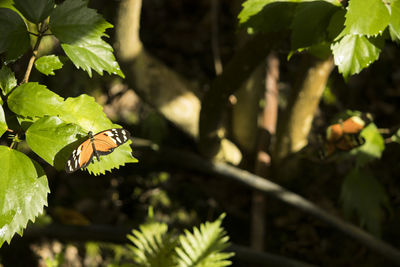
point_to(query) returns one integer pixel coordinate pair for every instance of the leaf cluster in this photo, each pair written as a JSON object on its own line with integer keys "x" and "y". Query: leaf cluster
{"x": 52, "y": 126}
{"x": 354, "y": 35}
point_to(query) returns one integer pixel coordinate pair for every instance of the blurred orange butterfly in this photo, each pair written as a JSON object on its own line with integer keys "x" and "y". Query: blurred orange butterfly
{"x": 345, "y": 135}
{"x": 102, "y": 143}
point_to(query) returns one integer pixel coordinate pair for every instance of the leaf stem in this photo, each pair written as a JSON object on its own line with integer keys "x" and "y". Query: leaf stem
{"x": 43, "y": 29}
{"x": 14, "y": 142}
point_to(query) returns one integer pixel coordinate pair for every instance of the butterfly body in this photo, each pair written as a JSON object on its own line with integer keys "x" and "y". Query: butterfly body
{"x": 102, "y": 143}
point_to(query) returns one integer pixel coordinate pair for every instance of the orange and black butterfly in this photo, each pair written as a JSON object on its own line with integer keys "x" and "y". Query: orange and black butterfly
{"x": 102, "y": 143}
{"x": 345, "y": 135}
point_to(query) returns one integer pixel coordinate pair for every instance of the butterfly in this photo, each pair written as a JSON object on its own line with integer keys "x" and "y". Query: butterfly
{"x": 102, "y": 143}
{"x": 345, "y": 135}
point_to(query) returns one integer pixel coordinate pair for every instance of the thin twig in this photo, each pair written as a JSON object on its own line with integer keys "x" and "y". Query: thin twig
{"x": 43, "y": 29}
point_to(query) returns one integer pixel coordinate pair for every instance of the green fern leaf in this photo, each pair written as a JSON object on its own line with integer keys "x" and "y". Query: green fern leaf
{"x": 203, "y": 247}
{"x": 152, "y": 245}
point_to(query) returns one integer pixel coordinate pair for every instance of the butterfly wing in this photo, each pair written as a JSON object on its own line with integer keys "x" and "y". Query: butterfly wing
{"x": 80, "y": 157}
{"x": 106, "y": 141}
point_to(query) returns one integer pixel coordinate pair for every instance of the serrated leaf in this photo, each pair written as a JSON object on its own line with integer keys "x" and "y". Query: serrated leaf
{"x": 14, "y": 34}
{"x": 47, "y": 64}
{"x": 35, "y": 10}
{"x": 353, "y": 53}
{"x": 267, "y": 16}
{"x": 372, "y": 148}
{"x": 32, "y": 99}
{"x": 53, "y": 139}
{"x": 7, "y": 80}
{"x": 367, "y": 17}
{"x": 3, "y": 123}
{"x": 363, "y": 194}
{"x": 395, "y": 19}
{"x": 310, "y": 23}
{"x": 80, "y": 30}
{"x": 23, "y": 192}
{"x": 204, "y": 246}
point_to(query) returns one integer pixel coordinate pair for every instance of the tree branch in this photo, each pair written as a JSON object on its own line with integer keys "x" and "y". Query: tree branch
{"x": 192, "y": 162}
{"x": 236, "y": 72}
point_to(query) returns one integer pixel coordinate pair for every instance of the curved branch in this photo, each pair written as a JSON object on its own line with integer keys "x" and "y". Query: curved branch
{"x": 192, "y": 162}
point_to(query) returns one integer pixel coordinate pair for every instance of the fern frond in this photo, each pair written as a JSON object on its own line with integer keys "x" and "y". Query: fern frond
{"x": 152, "y": 245}
{"x": 203, "y": 247}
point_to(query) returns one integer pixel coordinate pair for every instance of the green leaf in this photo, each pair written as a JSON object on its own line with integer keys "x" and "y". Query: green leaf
{"x": 267, "y": 16}
{"x": 394, "y": 25}
{"x": 372, "y": 148}
{"x": 336, "y": 24}
{"x": 353, "y": 53}
{"x": 310, "y": 23}
{"x": 3, "y": 123}
{"x": 251, "y": 8}
{"x": 35, "y": 10}
{"x": 14, "y": 34}
{"x": 119, "y": 157}
{"x": 23, "y": 192}
{"x": 364, "y": 195}
{"x": 89, "y": 115}
{"x": 152, "y": 245}
{"x": 47, "y": 64}
{"x": 34, "y": 100}
{"x": 367, "y": 17}
{"x": 396, "y": 137}
{"x": 203, "y": 247}
{"x": 85, "y": 112}
{"x": 7, "y": 80}
{"x": 80, "y": 31}
{"x": 58, "y": 136}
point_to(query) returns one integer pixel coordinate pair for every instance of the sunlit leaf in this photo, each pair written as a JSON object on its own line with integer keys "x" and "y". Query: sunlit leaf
{"x": 23, "y": 192}
{"x": 47, "y": 64}
{"x": 58, "y": 136}
{"x": 367, "y": 17}
{"x": 32, "y": 99}
{"x": 353, "y": 53}
{"x": 80, "y": 31}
